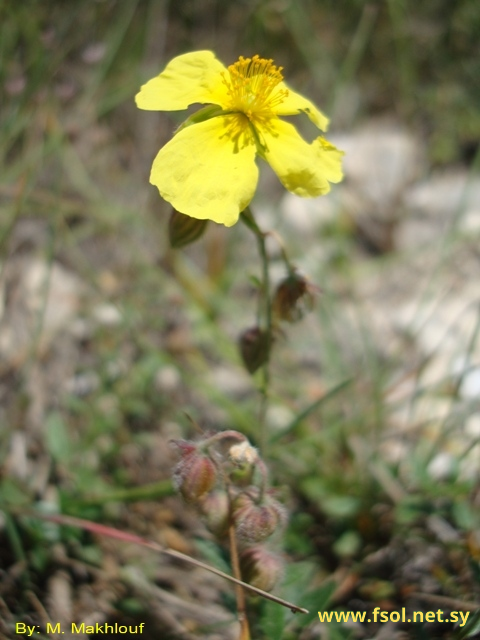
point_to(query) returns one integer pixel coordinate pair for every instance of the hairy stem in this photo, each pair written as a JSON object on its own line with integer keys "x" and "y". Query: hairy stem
{"x": 239, "y": 592}
{"x": 265, "y": 315}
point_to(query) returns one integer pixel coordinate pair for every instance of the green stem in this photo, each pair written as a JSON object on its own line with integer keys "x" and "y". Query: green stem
{"x": 267, "y": 317}
{"x": 262, "y": 467}
{"x": 265, "y": 313}
{"x": 237, "y": 574}
{"x": 15, "y": 540}
{"x": 152, "y": 491}
{"x": 288, "y": 264}
{"x": 223, "y": 435}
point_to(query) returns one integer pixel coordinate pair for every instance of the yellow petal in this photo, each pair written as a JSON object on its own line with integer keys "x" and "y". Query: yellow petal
{"x": 187, "y": 79}
{"x": 330, "y": 158}
{"x": 304, "y": 169}
{"x": 208, "y": 170}
{"x": 295, "y": 103}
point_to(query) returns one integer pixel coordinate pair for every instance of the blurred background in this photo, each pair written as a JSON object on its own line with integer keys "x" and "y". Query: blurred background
{"x": 109, "y": 339}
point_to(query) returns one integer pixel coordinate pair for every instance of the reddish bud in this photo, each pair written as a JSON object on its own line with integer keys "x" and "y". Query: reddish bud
{"x": 254, "y": 346}
{"x": 293, "y": 297}
{"x": 256, "y": 520}
{"x": 260, "y": 568}
{"x": 195, "y": 474}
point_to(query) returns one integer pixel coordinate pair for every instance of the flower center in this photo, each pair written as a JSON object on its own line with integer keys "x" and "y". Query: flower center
{"x": 251, "y": 84}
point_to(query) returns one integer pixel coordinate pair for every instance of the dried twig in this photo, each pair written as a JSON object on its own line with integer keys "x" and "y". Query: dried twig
{"x": 104, "y": 530}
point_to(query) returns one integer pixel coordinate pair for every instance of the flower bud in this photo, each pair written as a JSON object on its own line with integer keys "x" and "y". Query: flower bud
{"x": 183, "y": 230}
{"x": 293, "y": 297}
{"x": 244, "y": 459}
{"x": 256, "y": 520}
{"x": 260, "y": 568}
{"x": 215, "y": 508}
{"x": 195, "y": 474}
{"x": 254, "y": 346}
{"x": 243, "y": 453}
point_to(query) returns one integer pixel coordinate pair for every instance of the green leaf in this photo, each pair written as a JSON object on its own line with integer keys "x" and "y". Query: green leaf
{"x": 336, "y": 506}
{"x": 11, "y": 493}
{"x": 471, "y": 628}
{"x": 341, "y": 506}
{"x": 211, "y": 553}
{"x": 316, "y": 601}
{"x": 273, "y": 620}
{"x": 57, "y": 438}
{"x": 311, "y": 408}
{"x": 465, "y": 516}
{"x": 348, "y": 544}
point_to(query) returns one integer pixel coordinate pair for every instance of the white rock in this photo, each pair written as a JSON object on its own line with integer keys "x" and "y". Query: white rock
{"x": 445, "y": 194}
{"x": 17, "y": 459}
{"x": 231, "y": 381}
{"x": 279, "y": 417}
{"x": 472, "y": 426}
{"x": 44, "y": 299}
{"x": 445, "y": 200}
{"x": 470, "y": 464}
{"x": 470, "y": 385}
{"x": 381, "y": 158}
{"x": 167, "y": 379}
{"x": 442, "y": 466}
{"x": 307, "y": 215}
{"x": 107, "y": 314}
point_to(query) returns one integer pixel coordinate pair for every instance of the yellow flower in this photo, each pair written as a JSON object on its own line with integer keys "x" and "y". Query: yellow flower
{"x": 208, "y": 169}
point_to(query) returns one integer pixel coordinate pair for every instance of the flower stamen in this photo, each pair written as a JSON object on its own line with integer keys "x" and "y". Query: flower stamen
{"x": 251, "y": 84}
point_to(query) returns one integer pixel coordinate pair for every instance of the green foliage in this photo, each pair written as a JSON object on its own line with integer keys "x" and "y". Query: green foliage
{"x": 278, "y": 622}
{"x": 57, "y": 439}
{"x": 471, "y": 628}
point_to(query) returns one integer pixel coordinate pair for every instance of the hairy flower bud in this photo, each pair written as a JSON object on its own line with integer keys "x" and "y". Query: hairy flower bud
{"x": 244, "y": 458}
{"x": 256, "y": 519}
{"x": 183, "y": 230}
{"x": 195, "y": 474}
{"x": 215, "y": 508}
{"x": 254, "y": 346}
{"x": 293, "y": 297}
{"x": 243, "y": 453}
{"x": 260, "y": 567}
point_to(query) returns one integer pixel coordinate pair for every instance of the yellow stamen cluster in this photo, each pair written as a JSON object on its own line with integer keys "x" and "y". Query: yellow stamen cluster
{"x": 251, "y": 83}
